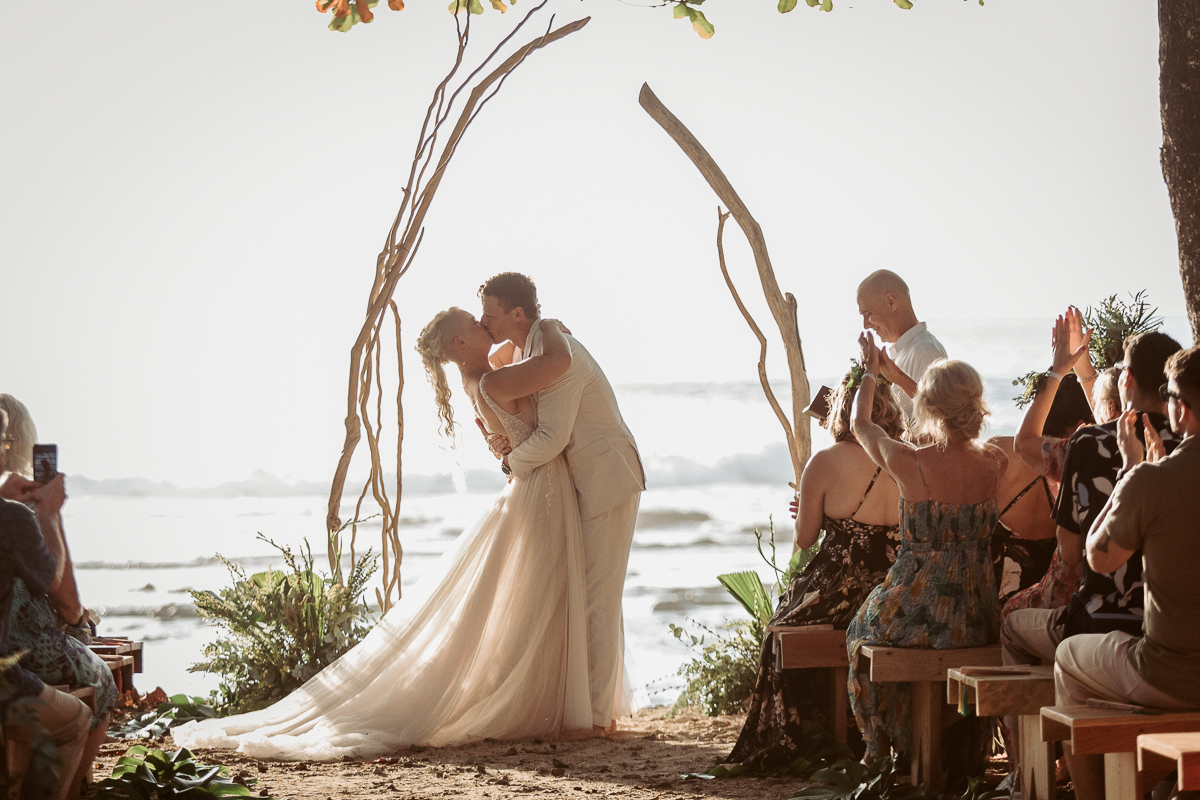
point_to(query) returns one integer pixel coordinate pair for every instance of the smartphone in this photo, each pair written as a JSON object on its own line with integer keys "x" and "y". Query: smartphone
{"x": 45, "y": 463}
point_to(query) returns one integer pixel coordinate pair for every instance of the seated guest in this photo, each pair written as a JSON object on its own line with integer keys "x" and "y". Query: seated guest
{"x": 1102, "y": 602}
{"x": 855, "y": 503}
{"x": 39, "y": 620}
{"x": 886, "y": 308}
{"x": 1150, "y": 517}
{"x": 27, "y": 559}
{"x": 1058, "y": 409}
{"x": 941, "y": 592}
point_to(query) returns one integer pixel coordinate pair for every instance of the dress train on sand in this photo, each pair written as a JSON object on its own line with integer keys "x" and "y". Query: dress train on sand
{"x": 493, "y": 643}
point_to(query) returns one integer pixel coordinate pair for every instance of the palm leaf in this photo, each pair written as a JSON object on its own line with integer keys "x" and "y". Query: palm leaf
{"x": 747, "y": 589}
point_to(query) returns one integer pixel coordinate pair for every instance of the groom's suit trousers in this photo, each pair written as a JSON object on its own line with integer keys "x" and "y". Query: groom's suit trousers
{"x": 606, "y": 542}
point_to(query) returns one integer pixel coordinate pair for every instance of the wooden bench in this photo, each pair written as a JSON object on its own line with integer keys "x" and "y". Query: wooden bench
{"x": 926, "y": 670}
{"x": 1160, "y": 753}
{"x": 1113, "y": 734}
{"x": 1022, "y": 696}
{"x": 122, "y": 671}
{"x": 817, "y": 648}
{"x": 118, "y": 646}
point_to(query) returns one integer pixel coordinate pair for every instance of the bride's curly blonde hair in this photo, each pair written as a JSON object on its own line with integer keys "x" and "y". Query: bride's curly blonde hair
{"x": 431, "y": 344}
{"x": 949, "y": 404}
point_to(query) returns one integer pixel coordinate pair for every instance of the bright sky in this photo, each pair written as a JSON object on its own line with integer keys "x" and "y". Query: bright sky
{"x": 193, "y": 197}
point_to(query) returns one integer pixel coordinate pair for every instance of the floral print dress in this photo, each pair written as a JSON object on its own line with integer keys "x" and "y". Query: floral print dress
{"x": 788, "y": 708}
{"x": 54, "y": 656}
{"x": 940, "y": 594}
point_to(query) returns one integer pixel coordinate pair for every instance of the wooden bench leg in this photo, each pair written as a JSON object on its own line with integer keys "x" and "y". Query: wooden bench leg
{"x": 927, "y": 705}
{"x": 1036, "y": 760}
{"x": 1120, "y": 776}
{"x": 838, "y": 701}
{"x": 1152, "y": 768}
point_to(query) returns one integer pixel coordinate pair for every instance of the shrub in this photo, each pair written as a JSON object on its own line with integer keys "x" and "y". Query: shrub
{"x": 281, "y": 627}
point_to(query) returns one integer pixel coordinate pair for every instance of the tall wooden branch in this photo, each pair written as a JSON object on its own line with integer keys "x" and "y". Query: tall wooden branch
{"x": 783, "y": 306}
{"x": 400, "y": 247}
{"x": 758, "y": 334}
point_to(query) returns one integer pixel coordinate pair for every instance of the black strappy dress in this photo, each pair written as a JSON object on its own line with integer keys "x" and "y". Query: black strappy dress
{"x": 1019, "y": 562}
{"x": 788, "y": 708}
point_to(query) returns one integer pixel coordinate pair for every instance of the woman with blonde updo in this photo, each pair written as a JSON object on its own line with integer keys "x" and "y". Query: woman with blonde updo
{"x": 941, "y": 592}
{"x": 493, "y": 643}
{"x": 855, "y": 503}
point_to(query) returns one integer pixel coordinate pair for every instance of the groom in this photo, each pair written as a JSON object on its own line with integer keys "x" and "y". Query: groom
{"x": 578, "y": 413}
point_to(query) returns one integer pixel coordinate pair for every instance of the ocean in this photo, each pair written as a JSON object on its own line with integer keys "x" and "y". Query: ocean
{"x": 717, "y": 470}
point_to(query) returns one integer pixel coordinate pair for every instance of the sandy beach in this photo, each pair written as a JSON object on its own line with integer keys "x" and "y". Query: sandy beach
{"x": 643, "y": 760}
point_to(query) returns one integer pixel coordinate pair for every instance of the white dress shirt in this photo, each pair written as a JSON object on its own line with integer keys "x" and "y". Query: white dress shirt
{"x": 913, "y": 352}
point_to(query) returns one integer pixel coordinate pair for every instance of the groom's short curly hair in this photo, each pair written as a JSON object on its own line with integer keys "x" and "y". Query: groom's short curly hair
{"x": 512, "y": 290}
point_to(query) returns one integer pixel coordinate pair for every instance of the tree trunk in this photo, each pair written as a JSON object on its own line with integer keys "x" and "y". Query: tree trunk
{"x": 1179, "y": 94}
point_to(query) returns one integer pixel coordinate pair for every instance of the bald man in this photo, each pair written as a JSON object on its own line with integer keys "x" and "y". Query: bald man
{"x": 886, "y": 308}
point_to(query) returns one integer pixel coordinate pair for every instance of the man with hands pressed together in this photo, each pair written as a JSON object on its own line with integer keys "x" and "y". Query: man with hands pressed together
{"x": 1155, "y": 508}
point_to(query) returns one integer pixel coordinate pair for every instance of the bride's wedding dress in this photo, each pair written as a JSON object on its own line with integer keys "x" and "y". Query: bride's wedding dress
{"x": 493, "y": 643}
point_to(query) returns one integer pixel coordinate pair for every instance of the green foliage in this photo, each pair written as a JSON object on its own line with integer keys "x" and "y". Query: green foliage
{"x": 143, "y": 773}
{"x": 723, "y": 670}
{"x": 1114, "y": 321}
{"x": 1033, "y": 382}
{"x": 973, "y": 792}
{"x": 850, "y": 780}
{"x": 282, "y": 627}
{"x": 176, "y": 710}
{"x": 22, "y": 712}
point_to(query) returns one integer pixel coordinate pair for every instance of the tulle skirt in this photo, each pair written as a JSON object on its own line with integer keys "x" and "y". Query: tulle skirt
{"x": 491, "y": 643}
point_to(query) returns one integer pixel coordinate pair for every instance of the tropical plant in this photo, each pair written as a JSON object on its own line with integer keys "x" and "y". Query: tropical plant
{"x": 1031, "y": 382}
{"x": 723, "y": 669}
{"x": 724, "y": 666}
{"x": 143, "y": 773}
{"x": 1114, "y": 321}
{"x": 851, "y": 780}
{"x": 281, "y": 627}
{"x": 175, "y": 710}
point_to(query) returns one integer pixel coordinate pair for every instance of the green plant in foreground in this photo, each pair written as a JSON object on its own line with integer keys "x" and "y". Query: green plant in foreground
{"x": 851, "y": 780}
{"x": 143, "y": 773}
{"x": 281, "y": 627}
{"x": 724, "y": 668}
{"x": 175, "y": 710}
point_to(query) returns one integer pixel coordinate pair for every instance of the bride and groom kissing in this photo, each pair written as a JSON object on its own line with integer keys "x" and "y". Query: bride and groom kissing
{"x": 517, "y": 630}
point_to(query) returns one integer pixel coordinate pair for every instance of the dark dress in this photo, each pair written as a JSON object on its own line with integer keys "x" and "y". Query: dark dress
{"x": 788, "y": 708}
{"x": 940, "y": 594}
{"x": 1022, "y": 561}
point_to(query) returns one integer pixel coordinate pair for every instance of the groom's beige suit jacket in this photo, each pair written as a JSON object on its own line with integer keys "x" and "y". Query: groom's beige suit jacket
{"x": 578, "y": 414}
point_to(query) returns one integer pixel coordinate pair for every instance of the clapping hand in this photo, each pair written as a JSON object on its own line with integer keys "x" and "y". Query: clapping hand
{"x": 869, "y": 353}
{"x": 1068, "y": 340}
{"x": 1132, "y": 451}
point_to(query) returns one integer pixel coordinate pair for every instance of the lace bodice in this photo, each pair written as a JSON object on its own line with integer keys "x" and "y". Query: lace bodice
{"x": 516, "y": 429}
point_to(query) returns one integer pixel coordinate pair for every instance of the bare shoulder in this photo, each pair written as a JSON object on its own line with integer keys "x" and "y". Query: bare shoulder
{"x": 998, "y": 453}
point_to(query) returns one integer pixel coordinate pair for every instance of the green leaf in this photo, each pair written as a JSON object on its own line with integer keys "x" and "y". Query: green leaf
{"x": 746, "y": 587}
{"x": 701, "y": 25}
{"x": 905, "y": 4}
{"x": 827, "y": 5}
{"x": 786, "y": 5}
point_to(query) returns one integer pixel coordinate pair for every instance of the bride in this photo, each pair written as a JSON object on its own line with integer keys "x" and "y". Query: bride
{"x": 493, "y": 643}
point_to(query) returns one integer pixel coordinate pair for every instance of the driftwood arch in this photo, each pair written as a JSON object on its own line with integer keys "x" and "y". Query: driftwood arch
{"x": 435, "y": 148}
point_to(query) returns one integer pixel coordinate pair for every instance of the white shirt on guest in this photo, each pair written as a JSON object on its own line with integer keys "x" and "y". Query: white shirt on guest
{"x": 913, "y": 352}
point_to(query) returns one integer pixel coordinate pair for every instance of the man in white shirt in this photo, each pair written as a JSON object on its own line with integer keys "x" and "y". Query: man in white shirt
{"x": 886, "y": 308}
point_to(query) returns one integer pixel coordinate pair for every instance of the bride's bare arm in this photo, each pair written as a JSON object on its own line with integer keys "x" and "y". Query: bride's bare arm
{"x": 533, "y": 374}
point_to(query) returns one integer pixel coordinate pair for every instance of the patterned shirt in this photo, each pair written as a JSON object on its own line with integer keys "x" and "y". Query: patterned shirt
{"x": 1103, "y": 602}
{"x": 25, "y": 557}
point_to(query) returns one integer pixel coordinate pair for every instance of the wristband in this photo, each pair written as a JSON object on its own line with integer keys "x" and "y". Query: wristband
{"x": 1052, "y": 374}
{"x": 866, "y": 375}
